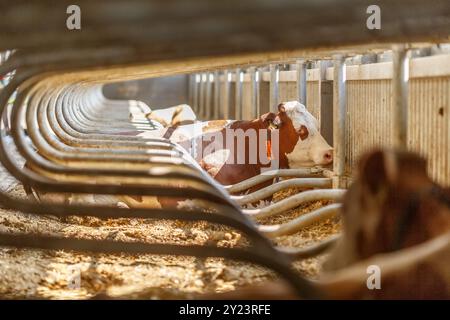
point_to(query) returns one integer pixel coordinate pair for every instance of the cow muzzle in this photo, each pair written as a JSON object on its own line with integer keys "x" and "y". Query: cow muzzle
{"x": 324, "y": 157}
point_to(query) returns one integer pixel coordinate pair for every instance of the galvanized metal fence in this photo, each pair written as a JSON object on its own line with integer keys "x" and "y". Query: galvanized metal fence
{"x": 369, "y": 110}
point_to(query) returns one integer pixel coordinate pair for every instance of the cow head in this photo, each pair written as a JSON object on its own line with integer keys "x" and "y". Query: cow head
{"x": 389, "y": 206}
{"x": 300, "y": 139}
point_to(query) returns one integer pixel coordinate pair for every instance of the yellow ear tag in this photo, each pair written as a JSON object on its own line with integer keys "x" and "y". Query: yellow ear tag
{"x": 269, "y": 149}
{"x": 272, "y": 126}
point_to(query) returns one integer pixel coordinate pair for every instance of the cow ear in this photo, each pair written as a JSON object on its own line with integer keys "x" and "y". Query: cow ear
{"x": 268, "y": 117}
{"x": 303, "y": 132}
{"x": 138, "y": 198}
{"x": 378, "y": 169}
{"x": 281, "y": 108}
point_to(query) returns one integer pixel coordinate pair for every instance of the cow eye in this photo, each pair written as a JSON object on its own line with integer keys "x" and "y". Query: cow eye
{"x": 274, "y": 125}
{"x": 303, "y": 132}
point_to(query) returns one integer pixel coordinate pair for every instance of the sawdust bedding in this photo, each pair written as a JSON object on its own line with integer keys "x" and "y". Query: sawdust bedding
{"x": 26, "y": 273}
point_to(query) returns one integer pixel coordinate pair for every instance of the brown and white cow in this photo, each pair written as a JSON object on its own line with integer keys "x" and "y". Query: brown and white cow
{"x": 394, "y": 218}
{"x": 293, "y": 140}
{"x": 232, "y": 151}
{"x": 393, "y": 204}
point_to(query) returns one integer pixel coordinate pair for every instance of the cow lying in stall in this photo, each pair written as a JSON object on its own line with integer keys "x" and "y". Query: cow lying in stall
{"x": 173, "y": 116}
{"x": 394, "y": 219}
{"x": 232, "y": 151}
{"x": 299, "y": 144}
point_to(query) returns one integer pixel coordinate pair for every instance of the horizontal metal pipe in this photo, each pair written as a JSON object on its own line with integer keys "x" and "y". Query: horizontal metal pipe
{"x": 232, "y": 31}
{"x": 311, "y": 250}
{"x": 267, "y": 175}
{"x": 39, "y": 241}
{"x": 285, "y": 184}
{"x": 295, "y": 201}
{"x": 321, "y": 214}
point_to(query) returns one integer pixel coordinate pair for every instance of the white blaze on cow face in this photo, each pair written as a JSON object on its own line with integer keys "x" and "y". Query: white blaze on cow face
{"x": 311, "y": 148}
{"x": 217, "y": 159}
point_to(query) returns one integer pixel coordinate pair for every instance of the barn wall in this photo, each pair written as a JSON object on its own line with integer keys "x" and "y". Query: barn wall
{"x": 326, "y": 110}
{"x": 227, "y": 100}
{"x": 247, "y": 112}
{"x": 369, "y": 112}
{"x": 429, "y": 122}
{"x": 288, "y": 92}
{"x": 368, "y": 119}
{"x": 155, "y": 92}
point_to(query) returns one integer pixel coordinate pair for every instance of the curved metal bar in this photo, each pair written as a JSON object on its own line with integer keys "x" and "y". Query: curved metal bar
{"x": 321, "y": 214}
{"x": 268, "y": 175}
{"x": 291, "y": 183}
{"x": 311, "y": 250}
{"x": 101, "y": 112}
{"x": 38, "y": 126}
{"x": 296, "y": 200}
{"x": 52, "y": 172}
{"x": 68, "y": 134}
{"x": 304, "y": 287}
{"x": 36, "y": 181}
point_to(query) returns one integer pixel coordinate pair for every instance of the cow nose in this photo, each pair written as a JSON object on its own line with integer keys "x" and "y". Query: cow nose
{"x": 328, "y": 156}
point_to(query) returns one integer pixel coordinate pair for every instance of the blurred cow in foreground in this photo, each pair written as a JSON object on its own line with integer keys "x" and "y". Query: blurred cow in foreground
{"x": 396, "y": 221}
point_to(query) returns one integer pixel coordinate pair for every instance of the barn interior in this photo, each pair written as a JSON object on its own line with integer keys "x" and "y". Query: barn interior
{"x": 91, "y": 97}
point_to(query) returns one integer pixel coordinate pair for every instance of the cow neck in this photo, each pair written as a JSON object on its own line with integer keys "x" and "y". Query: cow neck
{"x": 407, "y": 217}
{"x": 257, "y": 125}
{"x": 288, "y": 140}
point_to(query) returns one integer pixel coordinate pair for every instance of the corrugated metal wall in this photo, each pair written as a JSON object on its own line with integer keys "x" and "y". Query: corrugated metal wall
{"x": 287, "y": 90}
{"x": 247, "y": 112}
{"x": 368, "y": 125}
{"x": 429, "y": 122}
{"x": 313, "y": 98}
{"x": 227, "y": 100}
{"x": 156, "y": 92}
{"x": 368, "y": 121}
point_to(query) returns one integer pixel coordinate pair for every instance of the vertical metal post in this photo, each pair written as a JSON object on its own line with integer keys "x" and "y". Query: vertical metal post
{"x": 274, "y": 92}
{"x": 258, "y": 79}
{"x": 208, "y": 106}
{"x": 195, "y": 101}
{"x": 325, "y": 116}
{"x": 322, "y": 77}
{"x": 202, "y": 95}
{"x": 301, "y": 81}
{"x": 339, "y": 114}
{"x": 238, "y": 94}
{"x": 216, "y": 103}
{"x": 226, "y": 95}
{"x": 253, "y": 92}
{"x": 190, "y": 81}
{"x": 400, "y": 79}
